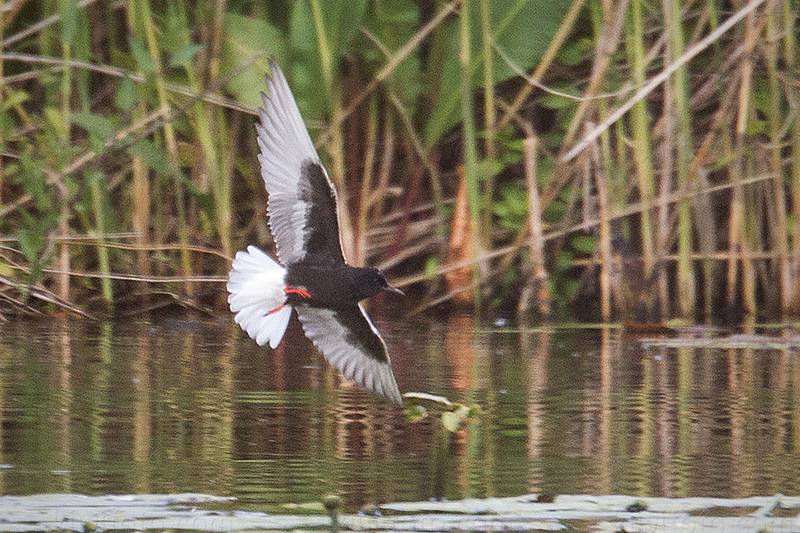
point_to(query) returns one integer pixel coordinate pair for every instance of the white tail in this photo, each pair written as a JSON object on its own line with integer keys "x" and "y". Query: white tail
{"x": 256, "y": 284}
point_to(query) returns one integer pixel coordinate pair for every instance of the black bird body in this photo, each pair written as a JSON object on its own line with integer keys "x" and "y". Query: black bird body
{"x": 332, "y": 284}
{"x": 315, "y": 280}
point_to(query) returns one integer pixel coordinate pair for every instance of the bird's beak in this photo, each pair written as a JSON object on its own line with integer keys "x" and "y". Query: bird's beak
{"x": 395, "y": 290}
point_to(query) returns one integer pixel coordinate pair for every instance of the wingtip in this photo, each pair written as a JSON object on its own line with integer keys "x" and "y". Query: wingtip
{"x": 396, "y": 398}
{"x": 390, "y": 390}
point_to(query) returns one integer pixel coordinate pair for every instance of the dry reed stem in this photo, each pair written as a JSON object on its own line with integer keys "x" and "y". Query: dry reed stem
{"x": 136, "y": 277}
{"x": 59, "y": 64}
{"x": 536, "y": 289}
{"x": 587, "y": 225}
{"x": 388, "y": 69}
{"x": 38, "y": 27}
{"x": 544, "y": 63}
{"x": 605, "y": 47}
{"x": 41, "y": 293}
{"x": 593, "y": 174}
{"x": 780, "y": 229}
{"x": 461, "y": 245}
{"x": 690, "y": 53}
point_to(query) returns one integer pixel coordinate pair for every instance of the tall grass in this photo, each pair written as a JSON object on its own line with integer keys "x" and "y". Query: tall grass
{"x": 666, "y": 166}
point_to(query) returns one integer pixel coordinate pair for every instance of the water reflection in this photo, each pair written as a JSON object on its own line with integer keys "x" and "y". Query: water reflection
{"x": 180, "y": 406}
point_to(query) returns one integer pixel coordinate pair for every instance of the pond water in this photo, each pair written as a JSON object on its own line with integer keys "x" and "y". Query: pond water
{"x": 182, "y": 406}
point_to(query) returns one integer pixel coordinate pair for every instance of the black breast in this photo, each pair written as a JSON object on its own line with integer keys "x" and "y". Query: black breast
{"x": 330, "y": 283}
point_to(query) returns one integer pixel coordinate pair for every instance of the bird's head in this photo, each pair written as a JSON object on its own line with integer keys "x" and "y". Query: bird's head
{"x": 370, "y": 282}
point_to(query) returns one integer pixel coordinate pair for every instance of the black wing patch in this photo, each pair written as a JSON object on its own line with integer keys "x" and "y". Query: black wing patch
{"x": 349, "y": 341}
{"x": 321, "y": 232}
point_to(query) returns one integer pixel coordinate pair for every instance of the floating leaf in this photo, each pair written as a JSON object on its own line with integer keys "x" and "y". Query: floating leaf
{"x": 451, "y": 420}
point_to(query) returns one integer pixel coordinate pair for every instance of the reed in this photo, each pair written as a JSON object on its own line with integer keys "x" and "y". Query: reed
{"x": 489, "y": 120}
{"x": 780, "y": 228}
{"x": 640, "y": 126}
{"x": 692, "y": 175}
{"x": 99, "y": 230}
{"x": 790, "y": 41}
{"x": 470, "y": 142}
{"x": 683, "y": 148}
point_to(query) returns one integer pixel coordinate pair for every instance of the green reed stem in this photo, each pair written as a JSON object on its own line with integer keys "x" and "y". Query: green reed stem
{"x": 790, "y": 42}
{"x": 367, "y": 181}
{"x": 640, "y": 123}
{"x": 4, "y": 118}
{"x": 95, "y": 180}
{"x": 684, "y": 156}
{"x": 212, "y": 143}
{"x": 780, "y": 231}
{"x": 489, "y": 121}
{"x": 470, "y": 137}
{"x": 147, "y": 29}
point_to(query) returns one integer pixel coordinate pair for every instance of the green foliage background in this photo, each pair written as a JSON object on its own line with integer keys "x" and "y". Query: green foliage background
{"x": 130, "y": 165}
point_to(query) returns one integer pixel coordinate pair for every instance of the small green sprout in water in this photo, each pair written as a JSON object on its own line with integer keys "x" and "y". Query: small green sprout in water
{"x": 331, "y": 503}
{"x": 454, "y": 415}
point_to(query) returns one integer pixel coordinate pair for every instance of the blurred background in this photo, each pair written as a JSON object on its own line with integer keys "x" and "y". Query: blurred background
{"x": 633, "y": 160}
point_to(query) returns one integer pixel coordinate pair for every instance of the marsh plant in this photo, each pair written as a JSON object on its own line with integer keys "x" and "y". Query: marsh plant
{"x": 641, "y": 157}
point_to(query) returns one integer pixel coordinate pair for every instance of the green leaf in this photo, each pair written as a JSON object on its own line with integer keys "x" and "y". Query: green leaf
{"x": 33, "y": 180}
{"x": 563, "y": 261}
{"x": 394, "y": 22}
{"x": 555, "y": 101}
{"x": 56, "y": 121}
{"x": 15, "y": 98}
{"x": 754, "y": 127}
{"x": 489, "y": 168}
{"x": 583, "y": 243}
{"x": 575, "y": 52}
{"x": 141, "y": 55}
{"x": 523, "y": 29}
{"x": 431, "y": 266}
{"x": 151, "y": 154}
{"x": 512, "y": 209}
{"x": 246, "y": 38}
{"x": 184, "y": 56}
{"x": 414, "y": 413}
{"x": 125, "y": 95}
{"x": 93, "y": 123}
{"x": 320, "y": 32}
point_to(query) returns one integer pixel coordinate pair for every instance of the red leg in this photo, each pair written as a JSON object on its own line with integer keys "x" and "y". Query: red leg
{"x": 276, "y": 309}
{"x": 300, "y": 291}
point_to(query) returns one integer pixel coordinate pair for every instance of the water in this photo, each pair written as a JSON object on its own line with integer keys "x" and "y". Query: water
{"x": 178, "y": 406}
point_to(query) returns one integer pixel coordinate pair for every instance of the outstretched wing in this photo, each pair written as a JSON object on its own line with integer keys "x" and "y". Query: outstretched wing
{"x": 349, "y": 341}
{"x": 302, "y": 200}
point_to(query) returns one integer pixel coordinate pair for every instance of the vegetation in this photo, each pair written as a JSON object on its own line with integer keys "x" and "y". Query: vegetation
{"x": 641, "y": 156}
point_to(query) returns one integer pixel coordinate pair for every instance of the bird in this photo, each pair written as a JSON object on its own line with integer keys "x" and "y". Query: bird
{"x": 312, "y": 276}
